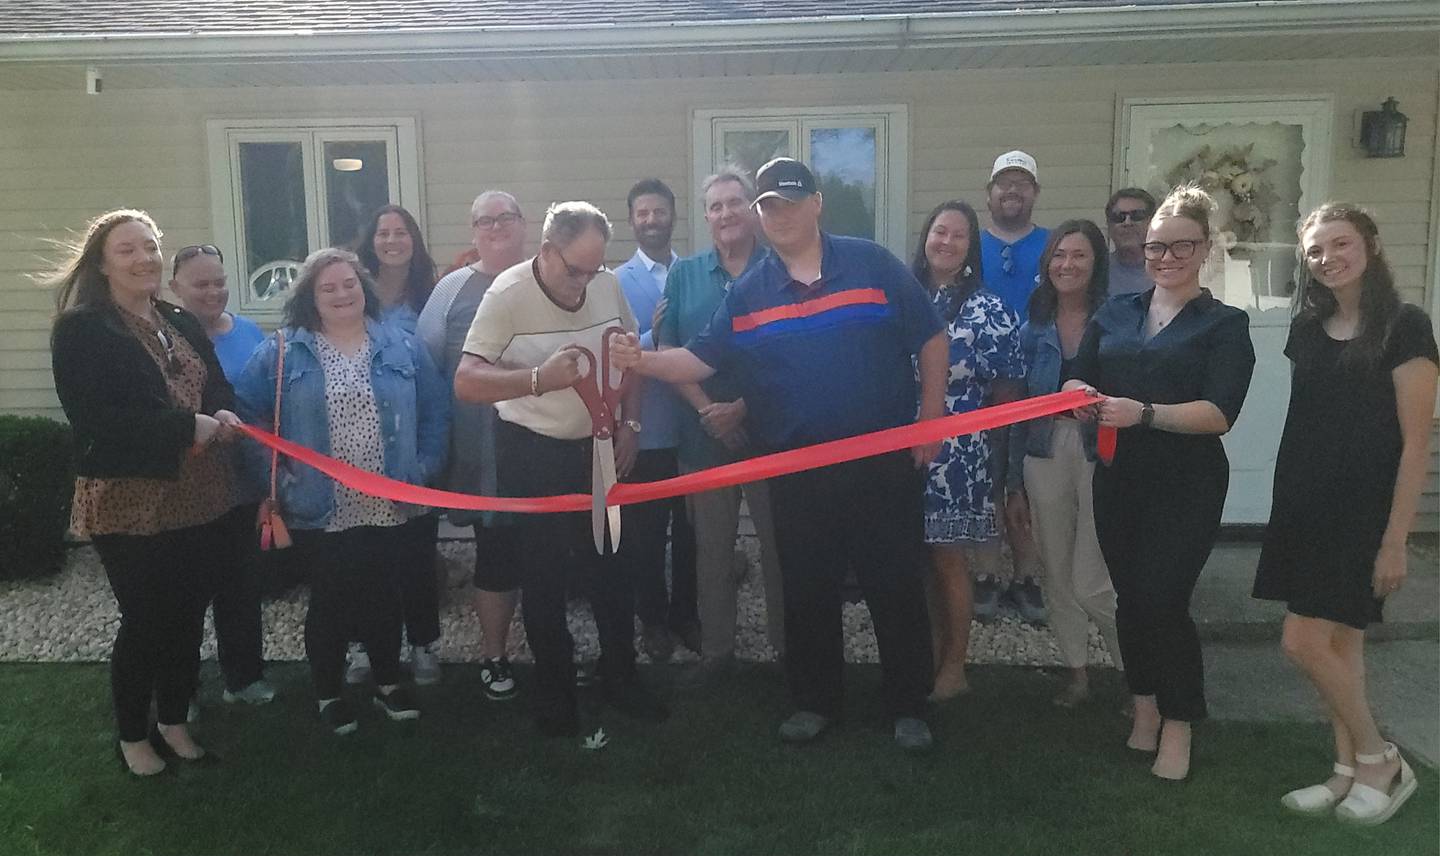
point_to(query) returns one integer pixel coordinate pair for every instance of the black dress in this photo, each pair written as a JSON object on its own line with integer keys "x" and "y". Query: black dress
{"x": 1335, "y": 473}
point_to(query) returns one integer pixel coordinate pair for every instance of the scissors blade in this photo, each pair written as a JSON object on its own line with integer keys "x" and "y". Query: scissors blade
{"x": 597, "y": 500}
{"x": 605, "y": 449}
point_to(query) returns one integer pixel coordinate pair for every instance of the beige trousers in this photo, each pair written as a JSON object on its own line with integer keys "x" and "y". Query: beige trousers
{"x": 715, "y": 515}
{"x": 1062, "y": 516}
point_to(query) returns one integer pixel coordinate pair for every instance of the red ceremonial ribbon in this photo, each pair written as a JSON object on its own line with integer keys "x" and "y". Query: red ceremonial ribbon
{"x": 740, "y": 472}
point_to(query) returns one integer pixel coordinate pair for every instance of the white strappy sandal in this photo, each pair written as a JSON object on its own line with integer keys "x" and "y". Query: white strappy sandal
{"x": 1367, "y": 806}
{"x": 1316, "y": 799}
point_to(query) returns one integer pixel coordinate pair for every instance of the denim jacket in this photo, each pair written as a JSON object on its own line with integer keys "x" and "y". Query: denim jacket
{"x": 411, "y": 396}
{"x": 1041, "y": 345}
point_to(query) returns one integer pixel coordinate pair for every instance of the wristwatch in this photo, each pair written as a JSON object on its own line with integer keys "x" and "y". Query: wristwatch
{"x": 1147, "y": 414}
{"x": 632, "y": 424}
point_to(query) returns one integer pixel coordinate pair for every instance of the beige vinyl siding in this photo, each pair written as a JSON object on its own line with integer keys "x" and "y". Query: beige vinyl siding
{"x": 65, "y": 156}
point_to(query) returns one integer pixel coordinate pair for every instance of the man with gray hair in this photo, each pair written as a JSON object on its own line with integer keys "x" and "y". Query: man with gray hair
{"x": 517, "y": 356}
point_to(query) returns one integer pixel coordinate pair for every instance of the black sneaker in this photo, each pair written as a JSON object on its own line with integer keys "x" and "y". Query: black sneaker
{"x": 987, "y": 598}
{"x": 339, "y": 716}
{"x": 497, "y": 679}
{"x": 633, "y": 699}
{"x": 1025, "y": 594}
{"x": 397, "y": 704}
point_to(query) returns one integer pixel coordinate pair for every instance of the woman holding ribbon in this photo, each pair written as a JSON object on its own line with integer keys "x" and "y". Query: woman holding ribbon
{"x": 1173, "y": 364}
{"x": 1347, "y": 480}
{"x": 367, "y": 394}
{"x": 1052, "y": 460}
{"x": 986, "y": 367}
{"x": 147, "y": 400}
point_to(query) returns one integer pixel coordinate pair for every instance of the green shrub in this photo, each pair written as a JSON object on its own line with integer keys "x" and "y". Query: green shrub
{"x": 37, "y": 479}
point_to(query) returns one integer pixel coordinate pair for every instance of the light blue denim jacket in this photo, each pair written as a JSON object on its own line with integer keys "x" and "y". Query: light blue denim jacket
{"x": 1041, "y": 345}
{"x": 412, "y": 398}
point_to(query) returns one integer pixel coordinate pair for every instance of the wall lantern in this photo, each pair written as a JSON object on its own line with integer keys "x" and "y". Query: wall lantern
{"x": 1382, "y": 132}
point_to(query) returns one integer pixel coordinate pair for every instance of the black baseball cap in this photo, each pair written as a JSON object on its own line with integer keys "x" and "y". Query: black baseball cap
{"x": 786, "y": 178}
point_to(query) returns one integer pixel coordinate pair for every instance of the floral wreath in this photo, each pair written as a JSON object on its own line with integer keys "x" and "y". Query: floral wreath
{"x": 1238, "y": 182}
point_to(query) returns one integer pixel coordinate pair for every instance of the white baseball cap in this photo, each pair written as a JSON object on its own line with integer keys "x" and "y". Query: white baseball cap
{"x": 1015, "y": 160}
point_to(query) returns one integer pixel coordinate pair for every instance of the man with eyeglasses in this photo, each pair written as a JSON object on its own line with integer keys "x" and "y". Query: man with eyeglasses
{"x": 1128, "y": 216}
{"x": 518, "y": 356}
{"x": 1010, "y": 250}
{"x": 498, "y": 237}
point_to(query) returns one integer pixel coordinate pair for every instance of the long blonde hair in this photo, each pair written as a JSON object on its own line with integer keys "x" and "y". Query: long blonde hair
{"x": 77, "y": 275}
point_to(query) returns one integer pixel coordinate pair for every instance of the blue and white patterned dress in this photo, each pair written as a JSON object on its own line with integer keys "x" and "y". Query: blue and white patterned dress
{"x": 984, "y": 347}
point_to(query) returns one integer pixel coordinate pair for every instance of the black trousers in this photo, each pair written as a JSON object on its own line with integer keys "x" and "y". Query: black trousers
{"x": 530, "y": 464}
{"x": 419, "y": 581}
{"x": 645, "y": 528}
{"x": 865, "y": 515}
{"x": 239, "y": 637}
{"x": 1157, "y": 513}
{"x": 355, "y": 583}
{"x": 162, "y": 584}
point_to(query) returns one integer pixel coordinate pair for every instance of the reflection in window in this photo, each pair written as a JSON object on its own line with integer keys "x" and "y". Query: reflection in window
{"x": 357, "y": 181}
{"x": 272, "y": 187}
{"x": 753, "y": 149}
{"x": 843, "y": 160}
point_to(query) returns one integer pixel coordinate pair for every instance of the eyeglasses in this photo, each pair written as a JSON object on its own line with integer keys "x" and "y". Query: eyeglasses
{"x": 1181, "y": 250}
{"x": 1140, "y": 215}
{"x": 185, "y": 254}
{"x": 172, "y": 362}
{"x": 502, "y": 220}
{"x": 1007, "y": 258}
{"x": 576, "y": 273}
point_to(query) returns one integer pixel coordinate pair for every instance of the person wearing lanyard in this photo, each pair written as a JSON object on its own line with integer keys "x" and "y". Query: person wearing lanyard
{"x": 1174, "y": 365}
{"x": 825, "y": 332}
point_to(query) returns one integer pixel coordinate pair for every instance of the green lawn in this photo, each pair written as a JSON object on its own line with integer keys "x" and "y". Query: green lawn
{"x": 1010, "y": 775}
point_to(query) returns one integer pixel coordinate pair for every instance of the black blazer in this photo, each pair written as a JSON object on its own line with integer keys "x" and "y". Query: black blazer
{"x": 115, "y": 396}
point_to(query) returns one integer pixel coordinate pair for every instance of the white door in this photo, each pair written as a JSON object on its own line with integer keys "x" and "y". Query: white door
{"x": 1266, "y": 161}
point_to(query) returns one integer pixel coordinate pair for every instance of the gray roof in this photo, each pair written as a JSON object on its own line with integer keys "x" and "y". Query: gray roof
{"x": 44, "y": 19}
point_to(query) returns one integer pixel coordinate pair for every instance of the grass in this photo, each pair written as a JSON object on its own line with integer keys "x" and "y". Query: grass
{"x": 1010, "y": 775}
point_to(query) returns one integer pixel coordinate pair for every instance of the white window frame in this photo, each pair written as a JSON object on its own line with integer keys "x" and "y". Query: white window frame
{"x": 226, "y": 217}
{"x": 892, "y": 151}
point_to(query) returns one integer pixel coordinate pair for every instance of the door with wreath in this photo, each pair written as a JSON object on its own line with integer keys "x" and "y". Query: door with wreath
{"x": 1266, "y": 161}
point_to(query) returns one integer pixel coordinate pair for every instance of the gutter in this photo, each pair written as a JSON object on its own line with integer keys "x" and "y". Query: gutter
{"x": 1037, "y": 26}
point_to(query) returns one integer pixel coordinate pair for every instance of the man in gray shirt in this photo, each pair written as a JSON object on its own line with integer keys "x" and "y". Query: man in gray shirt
{"x": 1128, "y": 216}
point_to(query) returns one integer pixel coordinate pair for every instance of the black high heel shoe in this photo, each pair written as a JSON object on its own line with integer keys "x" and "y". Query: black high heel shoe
{"x": 166, "y": 751}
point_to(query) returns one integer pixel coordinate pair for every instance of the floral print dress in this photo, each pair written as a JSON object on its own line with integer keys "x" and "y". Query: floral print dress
{"x": 984, "y": 348}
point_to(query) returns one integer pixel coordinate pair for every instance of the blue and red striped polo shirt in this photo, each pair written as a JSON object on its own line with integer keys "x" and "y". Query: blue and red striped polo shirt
{"x": 824, "y": 361}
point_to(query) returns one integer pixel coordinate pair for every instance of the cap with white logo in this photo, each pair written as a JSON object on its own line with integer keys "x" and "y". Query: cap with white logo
{"x": 786, "y": 178}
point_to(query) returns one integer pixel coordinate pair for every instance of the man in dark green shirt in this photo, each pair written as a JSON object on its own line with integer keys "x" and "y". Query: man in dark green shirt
{"x": 712, "y": 428}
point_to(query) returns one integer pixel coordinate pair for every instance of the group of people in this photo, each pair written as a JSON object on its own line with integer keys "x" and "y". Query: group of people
{"x": 777, "y": 337}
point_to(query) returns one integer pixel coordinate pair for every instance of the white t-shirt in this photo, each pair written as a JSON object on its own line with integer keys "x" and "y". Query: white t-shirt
{"x": 518, "y": 326}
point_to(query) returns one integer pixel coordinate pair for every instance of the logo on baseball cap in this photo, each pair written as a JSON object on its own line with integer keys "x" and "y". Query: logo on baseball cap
{"x": 1015, "y": 160}
{"x": 786, "y": 178}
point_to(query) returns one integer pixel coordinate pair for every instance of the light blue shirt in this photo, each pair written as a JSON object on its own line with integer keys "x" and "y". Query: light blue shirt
{"x": 643, "y": 280}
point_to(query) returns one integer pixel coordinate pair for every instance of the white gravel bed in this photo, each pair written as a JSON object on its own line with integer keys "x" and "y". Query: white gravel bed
{"x": 72, "y": 618}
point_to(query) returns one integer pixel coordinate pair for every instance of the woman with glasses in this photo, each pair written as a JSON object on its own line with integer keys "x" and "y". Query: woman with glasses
{"x": 392, "y": 249}
{"x": 1348, "y": 478}
{"x": 148, "y": 403}
{"x": 198, "y": 279}
{"x": 368, "y": 394}
{"x": 986, "y": 367}
{"x": 1173, "y": 365}
{"x": 1052, "y": 460}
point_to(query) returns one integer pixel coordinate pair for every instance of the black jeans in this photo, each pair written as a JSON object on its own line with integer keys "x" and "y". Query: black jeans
{"x": 1157, "y": 512}
{"x": 162, "y": 584}
{"x": 644, "y": 530}
{"x": 355, "y": 580}
{"x": 239, "y": 637}
{"x": 530, "y": 464}
{"x": 419, "y": 582}
{"x": 865, "y": 515}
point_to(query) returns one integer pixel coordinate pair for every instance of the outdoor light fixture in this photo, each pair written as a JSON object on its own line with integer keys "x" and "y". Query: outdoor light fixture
{"x": 350, "y": 164}
{"x": 1382, "y": 132}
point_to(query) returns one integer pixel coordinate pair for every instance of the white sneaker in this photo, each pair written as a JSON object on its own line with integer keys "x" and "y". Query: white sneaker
{"x": 357, "y": 670}
{"x": 424, "y": 665}
{"x": 259, "y": 692}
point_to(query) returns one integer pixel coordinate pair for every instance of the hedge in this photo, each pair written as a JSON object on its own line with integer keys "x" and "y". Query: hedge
{"x": 37, "y": 479}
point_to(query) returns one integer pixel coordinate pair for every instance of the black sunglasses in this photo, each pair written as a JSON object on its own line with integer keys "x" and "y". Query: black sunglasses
{"x": 1137, "y": 216}
{"x": 185, "y": 254}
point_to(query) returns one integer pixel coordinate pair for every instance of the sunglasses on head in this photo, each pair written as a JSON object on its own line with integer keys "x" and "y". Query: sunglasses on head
{"x": 1007, "y": 258}
{"x": 185, "y": 254}
{"x": 1138, "y": 216}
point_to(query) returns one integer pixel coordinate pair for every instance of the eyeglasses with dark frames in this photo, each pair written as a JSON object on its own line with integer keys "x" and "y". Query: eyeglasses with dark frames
{"x": 172, "y": 361}
{"x": 185, "y": 254}
{"x": 502, "y": 220}
{"x": 1180, "y": 250}
{"x": 1139, "y": 215}
{"x": 576, "y": 273}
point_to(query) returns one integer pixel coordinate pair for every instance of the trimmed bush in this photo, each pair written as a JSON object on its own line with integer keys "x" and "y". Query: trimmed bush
{"x": 37, "y": 479}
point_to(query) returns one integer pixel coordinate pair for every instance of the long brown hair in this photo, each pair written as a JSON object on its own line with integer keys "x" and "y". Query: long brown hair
{"x": 420, "y": 277}
{"x": 1044, "y": 299}
{"x": 300, "y": 308}
{"x": 77, "y": 275}
{"x": 1379, "y": 300}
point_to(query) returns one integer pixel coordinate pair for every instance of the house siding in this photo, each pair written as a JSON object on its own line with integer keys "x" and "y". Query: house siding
{"x": 65, "y": 156}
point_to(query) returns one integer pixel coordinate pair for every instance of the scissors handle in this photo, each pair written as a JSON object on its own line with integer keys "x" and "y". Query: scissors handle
{"x": 587, "y": 386}
{"x": 613, "y": 395}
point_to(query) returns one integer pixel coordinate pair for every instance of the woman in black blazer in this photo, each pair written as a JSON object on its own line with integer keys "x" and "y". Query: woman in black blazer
{"x": 147, "y": 401}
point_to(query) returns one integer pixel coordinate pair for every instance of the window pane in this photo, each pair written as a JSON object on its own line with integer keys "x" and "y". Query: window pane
{"x": 753, "y": 149}
{"x": 272, "y": 188}
{"x": 843, "y": 160}
{"x": 357, "y": 181}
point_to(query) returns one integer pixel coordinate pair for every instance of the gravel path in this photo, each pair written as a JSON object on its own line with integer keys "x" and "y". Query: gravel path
{"x": 72, "y": 618}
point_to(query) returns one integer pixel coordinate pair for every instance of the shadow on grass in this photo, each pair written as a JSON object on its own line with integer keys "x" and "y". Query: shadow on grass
{"x": 1010, "y": 774}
